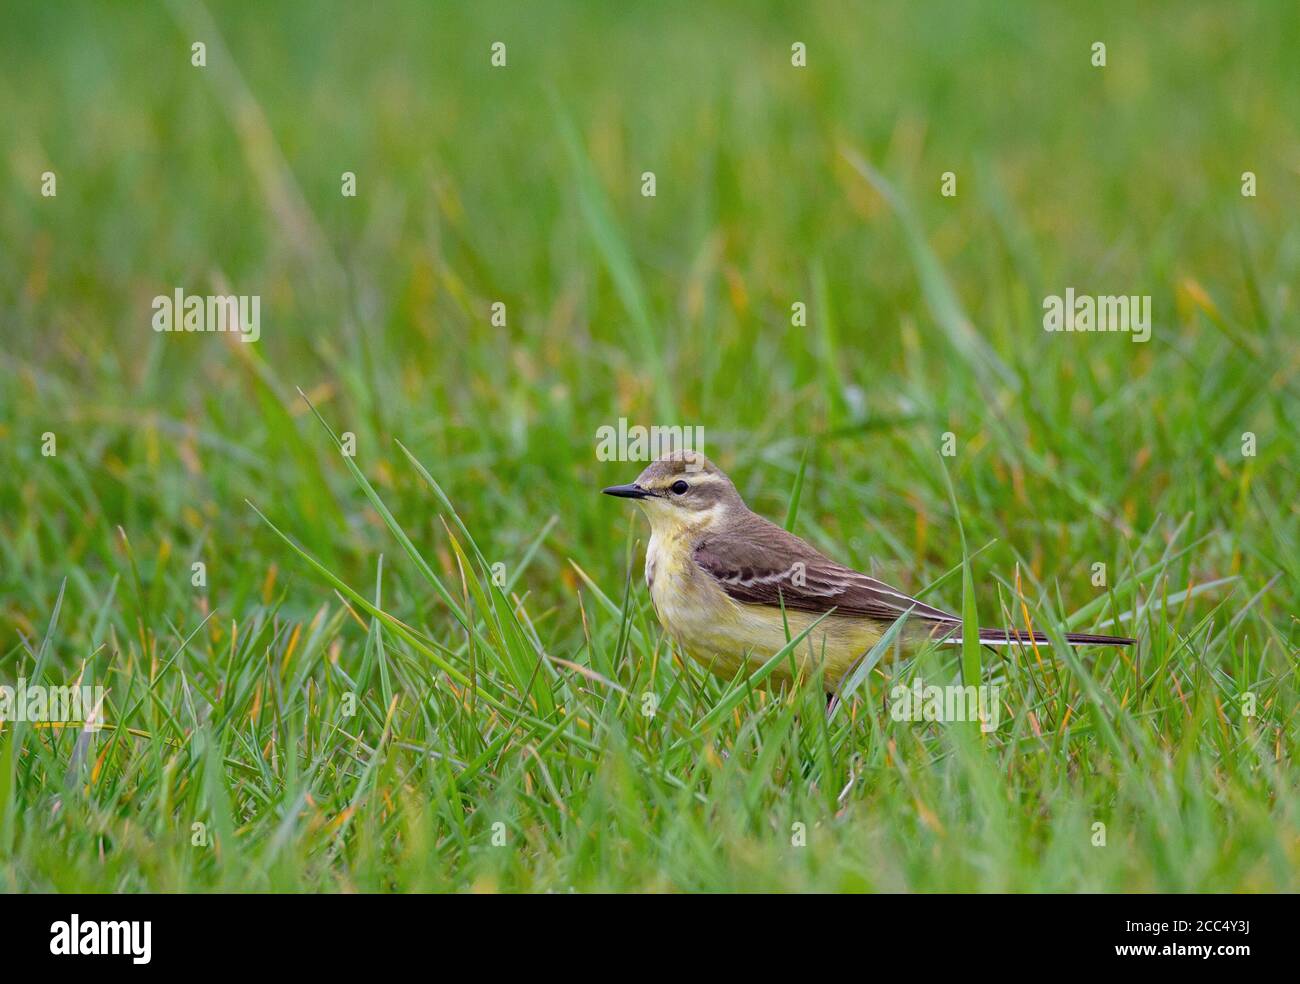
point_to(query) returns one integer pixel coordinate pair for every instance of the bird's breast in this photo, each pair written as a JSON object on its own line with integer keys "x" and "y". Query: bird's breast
{"x": 677, "y": 585}
{"x": 723, "y": 633}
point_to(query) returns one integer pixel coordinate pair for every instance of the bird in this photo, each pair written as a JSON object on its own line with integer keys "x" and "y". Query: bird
{"x": 732, "y": 588}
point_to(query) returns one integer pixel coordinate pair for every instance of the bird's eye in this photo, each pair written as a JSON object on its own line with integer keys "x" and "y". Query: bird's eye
{"x": 679, "y": 487}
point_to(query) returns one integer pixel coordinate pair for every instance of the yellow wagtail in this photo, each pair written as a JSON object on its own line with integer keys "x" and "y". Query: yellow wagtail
{"x": 720, "y": 577}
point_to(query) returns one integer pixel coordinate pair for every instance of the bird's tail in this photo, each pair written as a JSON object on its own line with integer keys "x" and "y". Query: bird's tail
{"x": 1020, "y": 637}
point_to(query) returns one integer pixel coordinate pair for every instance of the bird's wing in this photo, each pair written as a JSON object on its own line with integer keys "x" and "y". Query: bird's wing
{"x": 765, "y": 565}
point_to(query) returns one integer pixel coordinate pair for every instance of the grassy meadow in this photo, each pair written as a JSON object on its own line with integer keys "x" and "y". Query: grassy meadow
{"x": 432, "y": 665}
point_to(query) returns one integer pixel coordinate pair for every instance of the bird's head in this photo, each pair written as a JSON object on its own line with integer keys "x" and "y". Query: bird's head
{"x": 682, "y": 493}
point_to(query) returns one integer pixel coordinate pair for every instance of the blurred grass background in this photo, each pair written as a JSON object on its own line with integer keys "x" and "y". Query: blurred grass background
{"x": 522, "y": 185}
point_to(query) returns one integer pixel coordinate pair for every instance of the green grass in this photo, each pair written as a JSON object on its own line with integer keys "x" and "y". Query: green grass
{"x": 333, "y": 580}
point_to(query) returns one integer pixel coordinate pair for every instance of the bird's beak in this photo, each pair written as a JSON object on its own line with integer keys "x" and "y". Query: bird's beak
{"x": 632, "y": 491}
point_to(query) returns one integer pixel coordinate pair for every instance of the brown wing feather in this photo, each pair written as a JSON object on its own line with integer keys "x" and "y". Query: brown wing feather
{"x": 742, "y": 561}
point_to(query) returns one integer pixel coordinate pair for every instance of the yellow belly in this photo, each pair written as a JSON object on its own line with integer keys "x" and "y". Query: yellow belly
{"x": 726, "y": 635}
